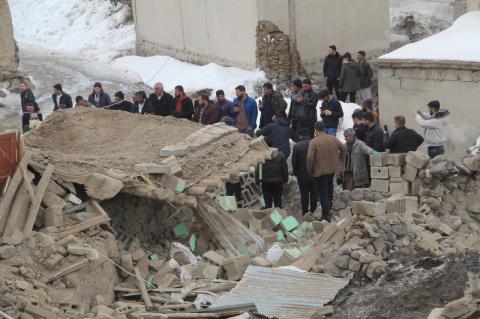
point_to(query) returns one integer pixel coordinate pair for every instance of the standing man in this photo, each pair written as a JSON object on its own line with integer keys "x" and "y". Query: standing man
{"x": 435, "y": 125}
{"x": 324, "y": 159}
{"x": 280, "y": 133}
{"x": 161, "y": 103}
{"x": 331, "y": 112}
{"x": 365, "y": 91}
{"x": 223, "y": 105}
{"x": 273, "y": 176}
{"x": 356, "y": 166}
{"x": 359, "y": 125}
{"x": 297, "y": 116}
{"x": 403, "y": 140}
{"x": 245, "y": 111}
{"x": 205, "y": 112}
{"x": 98, "y": 98}
{"x": 375, "y": 135}
{"x": 272, "y": 102}
{"x": 121, "y": 104}
{"x": 60, "y": 99}
{"x": 349, "y": 78}
{"x": 310, "y": 99}
{"x": 332, "y": 66}
{"x": 306, "y": 183}
{"x": 183, "y": 104}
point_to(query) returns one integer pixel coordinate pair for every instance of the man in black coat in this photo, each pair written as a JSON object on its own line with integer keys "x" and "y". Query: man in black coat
{"x": 359, "y": 126}
{"x": 403, "y": 139}
{"x": 331, "y": 112}
{"x": 374, "y": 137}
{"x": 161, "y": 103}
{"x": 98, "y": 97}
{"x": 120, "y": 103}
{"x": 306, "y": 183}
{"x": 332, "y": 66}
{"x": 26, "y": 96}
{"x": 272, "y": 102}
{"x": 60, "y": 99}
{"x": 280, "y": 133}
{"x": 183, "y": 104}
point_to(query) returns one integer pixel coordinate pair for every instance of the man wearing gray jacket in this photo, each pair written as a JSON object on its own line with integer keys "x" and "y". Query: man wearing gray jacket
{"x": 356, "y": 168}
{"x": 435, "y": 125}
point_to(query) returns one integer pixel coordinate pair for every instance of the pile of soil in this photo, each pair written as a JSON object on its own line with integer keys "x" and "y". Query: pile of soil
{"x": 85, "y": 140}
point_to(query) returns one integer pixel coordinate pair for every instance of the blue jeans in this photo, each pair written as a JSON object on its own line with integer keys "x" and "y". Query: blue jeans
{"x": 331, "y": 131}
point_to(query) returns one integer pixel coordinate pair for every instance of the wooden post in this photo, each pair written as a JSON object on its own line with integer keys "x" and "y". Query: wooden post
{"x": 292, "y": 33}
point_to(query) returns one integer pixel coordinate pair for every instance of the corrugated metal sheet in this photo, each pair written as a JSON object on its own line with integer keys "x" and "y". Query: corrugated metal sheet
{"x": 284, "y": 293}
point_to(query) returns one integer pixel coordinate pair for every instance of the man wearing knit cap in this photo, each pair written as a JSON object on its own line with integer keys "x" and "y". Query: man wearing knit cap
{"x": 98, "y": 97}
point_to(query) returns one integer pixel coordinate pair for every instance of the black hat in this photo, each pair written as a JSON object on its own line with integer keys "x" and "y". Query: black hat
{"x": 434, "y": 104}
{"x": 97, "y": 84}
{"x": 120, "y": 94}
{"x": 323, "y": 93}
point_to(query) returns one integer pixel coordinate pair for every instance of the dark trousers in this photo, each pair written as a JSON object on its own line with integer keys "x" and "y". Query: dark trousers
{"x": 296, "y": 125}
{"x": 234, "y": 189}
{"x": 324, "y": 184}
{"x": 333, "y": 84}
{"x": 308, "y": 194}
{"x": 272, "y": 194}
{"x": 352, "y": 95}
{"x": 434, "y": 151}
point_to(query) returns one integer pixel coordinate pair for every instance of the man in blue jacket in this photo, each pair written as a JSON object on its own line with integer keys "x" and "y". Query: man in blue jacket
{"x": 98, "y": 97}
{"x": 245, "y": 111}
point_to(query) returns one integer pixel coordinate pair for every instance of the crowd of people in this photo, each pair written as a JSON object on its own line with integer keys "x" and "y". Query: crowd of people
{"x": 317, "y": 156}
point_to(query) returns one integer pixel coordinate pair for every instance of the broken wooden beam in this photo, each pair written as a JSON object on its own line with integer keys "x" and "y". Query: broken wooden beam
{"x": 35, "y": 206}
{"x": 18, "y": 213}
{"x": 143, "y": 289}
{"x": 95, "y": 221}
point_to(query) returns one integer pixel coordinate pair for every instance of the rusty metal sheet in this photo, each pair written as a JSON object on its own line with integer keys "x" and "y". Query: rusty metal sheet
{"x": 284, "y": 293}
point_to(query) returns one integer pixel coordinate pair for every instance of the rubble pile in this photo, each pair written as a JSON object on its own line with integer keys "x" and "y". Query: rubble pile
{"x": 273, "y": 52}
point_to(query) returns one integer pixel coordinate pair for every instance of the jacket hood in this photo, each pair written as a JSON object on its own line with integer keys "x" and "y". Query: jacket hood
{"x": 442, "y": 113}
{"x": 282, "y": 122}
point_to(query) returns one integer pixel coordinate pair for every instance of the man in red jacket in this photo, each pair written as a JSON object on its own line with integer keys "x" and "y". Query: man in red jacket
{"x": 183, "y": 104}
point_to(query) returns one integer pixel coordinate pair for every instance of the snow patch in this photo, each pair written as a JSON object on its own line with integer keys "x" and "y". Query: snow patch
{"x": 457, "y": 43}
{"x": 89, "y": 28}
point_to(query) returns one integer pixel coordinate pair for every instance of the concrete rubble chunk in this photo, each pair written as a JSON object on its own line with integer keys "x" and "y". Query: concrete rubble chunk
{"x": 417, "y": 159}
{"x": 52, "y": 261}
{"x": 174, "y": 150}
{"x": 380, "y": 185}
{"x": 368, "y": 208}
{"x": 378, "y": 160}
{"x": 395, "y": 160}
{"x": 410, "y": 173}
{"x": 152, "y": 168}
{"x": 215, "y": 258}
{"x": 395, "y": 171}
{"x": 236, "y": 266}
{"x": 72, "y": 199}
{"x": 472, "y": 163}
{"x": 7, "y": 252}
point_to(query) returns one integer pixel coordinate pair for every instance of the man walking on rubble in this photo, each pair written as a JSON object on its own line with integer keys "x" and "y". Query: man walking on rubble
{"x": 435, "y": 124}
{"x": 324, "y": 159}
{"x": 272, "y": 102}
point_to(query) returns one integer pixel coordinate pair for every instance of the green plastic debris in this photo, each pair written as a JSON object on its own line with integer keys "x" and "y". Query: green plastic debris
{"x": 262, "y": 201}
{"x": 280, "y": 236}
{"x": 290, "y": 223}
{"x": 153, "y": 257}
{"x": 305, "y": 248}
{"x": 228, "y": 203}
{"x": 243, "y": 251}
{"x": 181, "y": 184}
{"x": 150, "y": 284}
{"x": 260, "y": 172}
{"x": 294, "y": 252}
{"x": 276, "y": 218}
{"x": 181, "y": 230}
{"x": 193, "y": 242}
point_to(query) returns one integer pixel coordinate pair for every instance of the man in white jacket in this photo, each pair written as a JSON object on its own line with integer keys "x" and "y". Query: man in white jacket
{"x": 435, "y": 125}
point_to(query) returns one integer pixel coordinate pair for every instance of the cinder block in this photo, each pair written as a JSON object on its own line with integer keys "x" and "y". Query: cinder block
{"x": 368, "y": 208}
{"x": 410, "y": 173}
{"x": 379, "y": 172}
{"x": 377, "y": 160}
{"x": 395, "y": 159}
{"x": 398, "y": 188}
{"x": 152, "y": 168}
{"x": 415, "y": 187}
{"x": 411, "y": 204}
{"x": 380, "y": 185}
{"x": 396, "y": 180}
{"x": 174, "y": 150}
{"x": 395, "y": 171}
{"x": 417, "y": 159}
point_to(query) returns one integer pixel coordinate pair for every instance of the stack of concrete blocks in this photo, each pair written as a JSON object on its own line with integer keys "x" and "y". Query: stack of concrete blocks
{"x": 250, "y": 190}
{"x": 415, "y": 161}
{"x": 386, "y": 172}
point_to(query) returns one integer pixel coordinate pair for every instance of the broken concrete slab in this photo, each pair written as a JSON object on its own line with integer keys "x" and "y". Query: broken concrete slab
{"x": 236, "y": 266}
{"x": 410, "y": 173}
{"x": 417, "y": 159}
{"x": 368, "y": 208}
{"x": 396, "y": 160}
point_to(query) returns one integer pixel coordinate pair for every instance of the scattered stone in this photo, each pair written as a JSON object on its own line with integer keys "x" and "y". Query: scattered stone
{"x": 368, "y": 208}
{"x": 7, "y": 252}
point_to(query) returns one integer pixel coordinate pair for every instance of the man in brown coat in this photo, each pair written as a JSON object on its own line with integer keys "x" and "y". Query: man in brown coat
{"x": 205, "y": 112}
{"x": 324, "y": 159}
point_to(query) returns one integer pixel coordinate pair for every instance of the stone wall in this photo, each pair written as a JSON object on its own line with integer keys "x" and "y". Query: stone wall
{"x": 8, "y": 47}
{"x": 407, "y": 86}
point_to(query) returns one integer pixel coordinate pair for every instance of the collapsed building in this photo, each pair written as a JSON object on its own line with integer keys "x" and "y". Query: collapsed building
{"x": 132, "y": 220}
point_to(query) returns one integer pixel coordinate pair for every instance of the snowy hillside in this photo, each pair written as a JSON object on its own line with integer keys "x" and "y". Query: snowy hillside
{"x": 90, "y": 28}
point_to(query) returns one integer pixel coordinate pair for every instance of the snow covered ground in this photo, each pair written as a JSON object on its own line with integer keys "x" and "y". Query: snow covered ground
{"x": 460, "y": 42}
{"x": 90, "y": 28}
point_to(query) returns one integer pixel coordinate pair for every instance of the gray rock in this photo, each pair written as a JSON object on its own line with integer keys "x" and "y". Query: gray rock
{"x": 7, "y": 252}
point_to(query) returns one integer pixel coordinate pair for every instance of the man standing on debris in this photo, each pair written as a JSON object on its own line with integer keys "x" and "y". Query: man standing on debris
{"x": 272, "y": 102}
{"x": 331, "y": 112}
{"x": 273, "y": 175}
{"x": 359, "y": 126}
{"x": 60, "y": 99}
{"x": 403, "y": 140}
{"x": 365, "y": 91}
{"x": 205, "y": 112}
{"x": 332, "y": 66}
{"x": 374, "y": 137}
{"x": 356, "y": 167}
{"x": 349, "y": 78}
{"x": 324, "y": 159}
{"x": 121, "y": 104}
{"x": 223, "y": 105}
{"x": 98, "y": 97}
{"x": 297, "y": 116}
{"x": 306, "y": 183}
{"x": 280, "y": 133}
{"x": 310, "y": 99}
{"x": 245, "y": 111}
{"x": 183, "y": 104}
{"x": 435, "y": 125}
{"x": 161, "y": 102}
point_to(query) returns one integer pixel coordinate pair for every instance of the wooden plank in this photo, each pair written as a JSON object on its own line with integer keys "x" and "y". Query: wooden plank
{"x": 34, "y": 207}
{"x": 68, "y": 269}
{"x": 143, "y": 289}
{"x": 18, "y": 214}
{"x": 28, "y": 183}
{"x": 7, "y": 199}
{"x": 83, "y": 226}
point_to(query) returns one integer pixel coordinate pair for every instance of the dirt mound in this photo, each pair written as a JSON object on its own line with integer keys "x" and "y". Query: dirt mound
{"x": 81, "y": 139}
